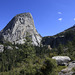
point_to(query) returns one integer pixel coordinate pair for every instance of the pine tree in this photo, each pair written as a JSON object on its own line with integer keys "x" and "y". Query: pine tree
{"x": 60, "y": 49}
{"x": 28, "y": 47}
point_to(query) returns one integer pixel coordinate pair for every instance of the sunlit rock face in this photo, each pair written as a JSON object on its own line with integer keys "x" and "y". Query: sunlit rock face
{"x": 17, "y": 29}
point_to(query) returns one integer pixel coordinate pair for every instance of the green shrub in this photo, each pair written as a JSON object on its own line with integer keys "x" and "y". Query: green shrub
{"x": 48, "y": 67}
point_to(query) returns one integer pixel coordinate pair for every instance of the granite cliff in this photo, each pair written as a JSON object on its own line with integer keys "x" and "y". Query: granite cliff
{"x": 17, "y": 29}
{"x": 60, "y": 38}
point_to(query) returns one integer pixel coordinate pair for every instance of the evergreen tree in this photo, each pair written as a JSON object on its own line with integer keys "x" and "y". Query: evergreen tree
{"x": 49, "y": 67}
{"x": 28, "y": 47}
{"x": 70, "y": 46}
{"x": 60, "y": 49}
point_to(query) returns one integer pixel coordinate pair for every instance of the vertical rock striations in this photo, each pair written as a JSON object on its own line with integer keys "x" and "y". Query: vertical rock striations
{"x": 17, "y": 29}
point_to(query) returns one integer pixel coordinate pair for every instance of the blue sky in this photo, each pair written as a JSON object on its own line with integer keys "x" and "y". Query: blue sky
{"x": 50, "y": 16}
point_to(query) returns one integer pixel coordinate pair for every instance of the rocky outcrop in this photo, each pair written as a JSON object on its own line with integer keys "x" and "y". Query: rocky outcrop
{"x": 16, "y": 47}
{"x": 68, "y": 70}
{"x": 61, "y": 60}
{"x": 9, "y": 48}
{"x": 17, "y": 29}
{"x": 60, "y": 38}
{"x": 53, "y": 41}
{"x": 1, "y": 48}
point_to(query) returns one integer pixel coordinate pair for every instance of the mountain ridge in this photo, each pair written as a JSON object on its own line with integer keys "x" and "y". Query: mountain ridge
{"x": 60, "y": 38}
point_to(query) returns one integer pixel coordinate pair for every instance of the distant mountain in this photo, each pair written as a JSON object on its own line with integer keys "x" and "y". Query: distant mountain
{"x": 60, "y": 38}
{"x": 17, "y": 29}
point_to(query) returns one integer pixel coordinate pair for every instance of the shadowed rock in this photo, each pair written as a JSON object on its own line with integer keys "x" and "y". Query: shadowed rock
{"x": 1, "y": 48}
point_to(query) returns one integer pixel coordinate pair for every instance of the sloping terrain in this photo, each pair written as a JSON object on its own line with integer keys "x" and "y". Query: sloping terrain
{"x": 60, "y": 38}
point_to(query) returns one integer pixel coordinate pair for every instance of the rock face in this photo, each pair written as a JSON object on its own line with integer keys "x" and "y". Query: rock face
{"x": 17, "y": 29}
{"x": 61, "y": 60}
{"x": 9, "y": 47}
{"x": 68, "y": 70}
{"x": 60, "y": 38}
{"x": 1, "y": 48}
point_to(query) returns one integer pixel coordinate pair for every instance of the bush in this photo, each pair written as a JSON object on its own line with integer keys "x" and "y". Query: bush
{"x": 49, "y": 67}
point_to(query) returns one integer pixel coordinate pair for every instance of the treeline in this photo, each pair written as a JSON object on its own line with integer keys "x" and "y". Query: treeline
{"x": 26, "y": 60}
{"x": 33, "y": 60}
{"x": 67, "y": 50}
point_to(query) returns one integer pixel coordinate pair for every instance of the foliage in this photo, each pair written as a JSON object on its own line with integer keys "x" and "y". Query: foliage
{"x": 49, "y": 67}
{"x": 59, "y": 68}
{"x": 27, "y": 60}
{"x": 73, "y": 69}
{"x": 60, "y": 49}
{"x": 33, "y": 60}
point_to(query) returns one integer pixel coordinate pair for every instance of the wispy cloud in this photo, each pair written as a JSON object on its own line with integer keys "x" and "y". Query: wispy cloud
{"x": 60, "y": 19}
{"x": 59, "y": 12}
{"x": 74, "y": 19}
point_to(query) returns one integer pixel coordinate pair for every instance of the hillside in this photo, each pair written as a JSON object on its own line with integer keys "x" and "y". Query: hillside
{"x": 60, "y": 38}
{"x": 23, "y": 53}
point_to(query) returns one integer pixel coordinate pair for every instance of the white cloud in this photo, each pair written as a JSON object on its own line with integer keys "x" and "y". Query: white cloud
{"x": 59, "y": 12}
{"x": 60, "y": 19}
{"x": 74, "y": 19}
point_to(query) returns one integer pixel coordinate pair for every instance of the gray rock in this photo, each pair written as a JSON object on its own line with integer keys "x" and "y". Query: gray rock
{"x": 9, "y": 48}
{"x": 49, "y": 47}
{"x": 61, "y": 60}
{"x": 71, "y": 64}
{"x": 17, "y": 29}
{"x": 68, "y": 70}
{"x": 69, "y": 73}
{"x": 16, "y": 47}
{"x": 1, "y": 48}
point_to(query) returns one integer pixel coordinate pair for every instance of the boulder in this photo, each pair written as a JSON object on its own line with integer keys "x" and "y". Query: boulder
{"x": 9, "y": 48}
{"x": 1, "y": 48}
{"x": 62, "y": 60}
{"x": 68, "y": 70}
{"x": 49, "y": 47}
{"x": 69, "y": 73}
{"x": 16, "y": 47}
